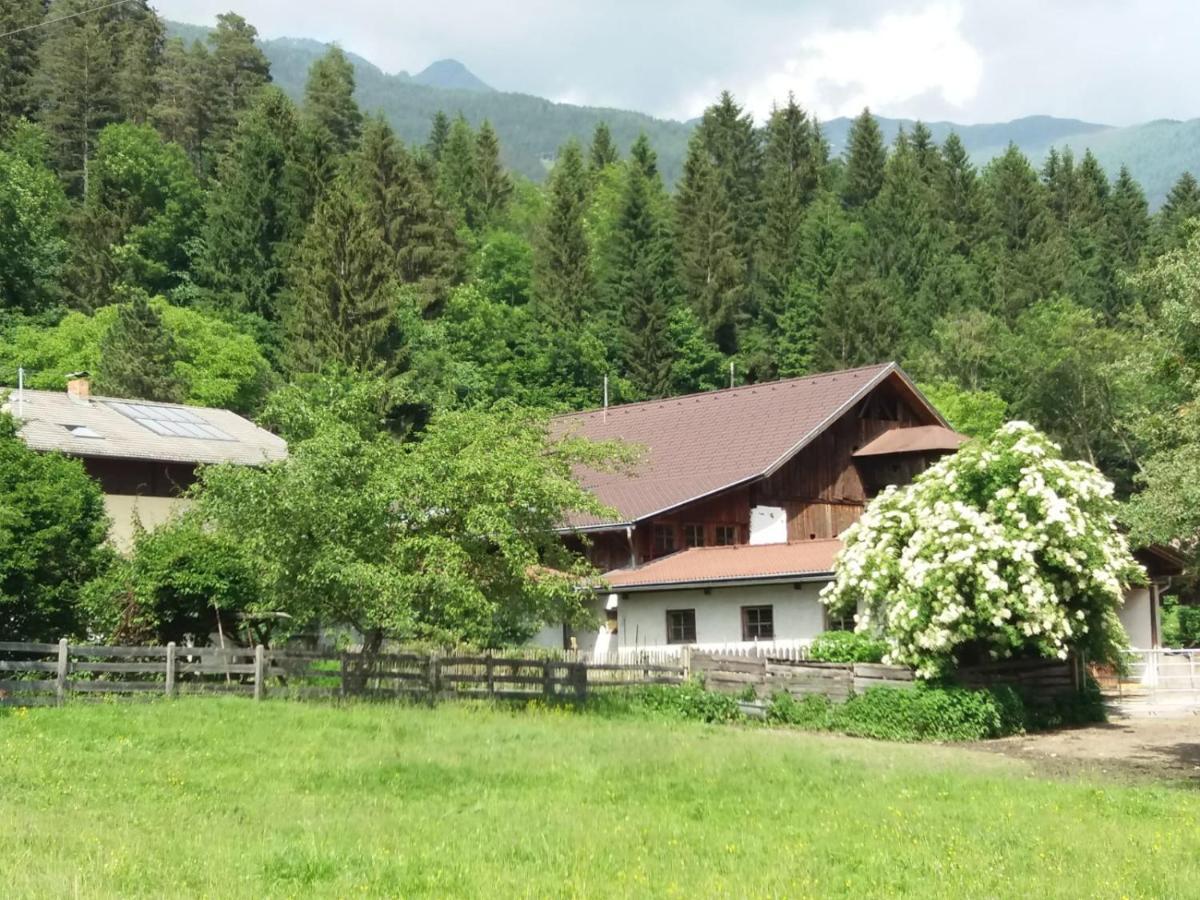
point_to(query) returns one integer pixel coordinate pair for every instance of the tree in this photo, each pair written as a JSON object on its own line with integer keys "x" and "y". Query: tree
{"x": 237, "y": 70}
{"x": 642, "y": 155}
{"x": 1181, "y": 206}
{"x": 603, "y": 152}
{"x": 141, "y": 213}
{"x": 94, "y": 68}
{"x": 217, "y": 365}
{"x": 959, "y": 190}
{"x": 329, "y": 98}
{"x": 458, "y": 173}
{"x": 137, "y": 356}
{"x": 416, "y": 228}
{"x": 563, "y": 281}
{"x": 642, "y": 285}
{"x": 711, "y": 269}
{"x": 450, "y": 538}
{"x": 33, "y": 220}
{"x": 439, "y": 133}
{"x": 1004, "y": 549}
{"x": 18, "y": 58}
{"x": 342, "y": 291}
{"x": 976, "y": 413}
{"x": 183, "y": 112}
{"x": 865, "y": 158}
{"x": 253, "y": 219}
{"x": 1128, "y": 219}
{"x": 494, "y": 187}
{"x": 728, "y": 135}
{"x": 52, "y": 532}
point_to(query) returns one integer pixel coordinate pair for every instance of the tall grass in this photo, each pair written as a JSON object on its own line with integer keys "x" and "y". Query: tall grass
{"x": 221, "y": 797}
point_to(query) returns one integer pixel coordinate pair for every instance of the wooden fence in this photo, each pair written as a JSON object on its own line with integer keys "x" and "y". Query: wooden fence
{"x": 32, "y": 674}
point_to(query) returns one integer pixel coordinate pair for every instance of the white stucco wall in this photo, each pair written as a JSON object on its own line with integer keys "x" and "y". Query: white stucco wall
{"x": 642, "y": 615}
{"x": 126, "y": 509}
{"x": 1137, "y": 615}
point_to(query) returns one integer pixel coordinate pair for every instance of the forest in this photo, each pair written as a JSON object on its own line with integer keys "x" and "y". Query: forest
{"x": 172, "y": 223}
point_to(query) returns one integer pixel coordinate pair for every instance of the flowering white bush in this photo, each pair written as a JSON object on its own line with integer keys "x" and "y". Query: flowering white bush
{"x": 1004, "y": 548}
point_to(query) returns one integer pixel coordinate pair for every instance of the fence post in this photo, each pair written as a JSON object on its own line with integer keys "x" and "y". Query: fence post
{"x": 435, "y": 676}
{"x": 580, "y": 673}
{"x": 171, "y": 669}
{"x": 685, "y": 660}
{"x": 60, "y": 685}
{"x": 342, "y": 665}
{"x": 491, "y": 674}
{"x": 260, "y": 670}
{"x": 547, "y": 684}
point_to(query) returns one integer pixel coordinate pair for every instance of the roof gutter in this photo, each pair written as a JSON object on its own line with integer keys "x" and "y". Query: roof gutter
{"x": 732, "y": 581}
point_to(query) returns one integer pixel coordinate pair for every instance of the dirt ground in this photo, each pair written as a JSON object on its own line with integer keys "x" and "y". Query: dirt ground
{"x": 1158, "y": 748}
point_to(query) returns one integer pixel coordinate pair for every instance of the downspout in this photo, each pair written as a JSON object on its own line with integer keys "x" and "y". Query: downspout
{"x": 632, "y": 551}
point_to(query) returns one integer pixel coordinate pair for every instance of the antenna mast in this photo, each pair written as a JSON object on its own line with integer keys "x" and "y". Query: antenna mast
{"x": 605, "y": 398}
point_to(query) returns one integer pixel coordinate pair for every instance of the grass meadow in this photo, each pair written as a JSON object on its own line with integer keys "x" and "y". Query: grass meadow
{"x": 222, "y": 797}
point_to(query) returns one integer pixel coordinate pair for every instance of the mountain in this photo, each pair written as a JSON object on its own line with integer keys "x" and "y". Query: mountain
{"x": 450, "y": 73}
{"x": 532, "y": 129}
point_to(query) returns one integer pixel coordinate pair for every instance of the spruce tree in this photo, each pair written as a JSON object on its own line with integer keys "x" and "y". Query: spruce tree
{"x": 439, "y": 133}
{"x": 642, "y": 155}
{"x": 959, "y": 192}
{"x": 494, "y": 186}
{"x": 329, "y": 99}
{"x": 1181, "y": 206}
{"x": 563, "y": 285}
{"x": 237, "y": 70}
{"x": 252, "y": 218}
{"x": 926, "y": 153}
{"x": 18, "y": 57}
{"x": 458, "y": 177}
{"x": 642, "y": 282}
{"x": 865, "y": 160}
{"x": 416, "y": 228}
{"x": 183, "y": 111}
{"x": 341, "y": 297}
{"x": 711, "y": 269}
{"x": 1128, "y": 219}
{"x": 137, "y": 356}
{"x": 603, "y": 151}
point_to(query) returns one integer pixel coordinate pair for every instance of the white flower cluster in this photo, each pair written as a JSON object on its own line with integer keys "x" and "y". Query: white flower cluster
{"x": 1002, "y": 548}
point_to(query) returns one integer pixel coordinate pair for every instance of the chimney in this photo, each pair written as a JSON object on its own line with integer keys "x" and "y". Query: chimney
{"x": 79, "y": 388}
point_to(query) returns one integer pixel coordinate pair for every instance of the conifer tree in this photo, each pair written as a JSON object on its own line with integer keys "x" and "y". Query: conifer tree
{"x": 253, "y": 219}
{"x": 1128, "y": 219}
{"x": 865, "y": 159}
{"x": 710, "y": 268}
{"x": 18, "y": 57}
{"x": 93, "y": 69}
{"x": 642, "y": 282}
{"x": 342, "y": 293}
{"x": 439, "y": 133}
{"x": 642, "y": 155}
{"x": 237, "y": 70}
{"x": 494, "y": 186}
{"x": 458, "y": 177}
{"x": 137, "y": 356}
{"x": 563, "y": 285}
{"x": 329, "y": 99}
{"x": 603, "y": 152}
{"x": 925, "y": 153}
{"x": 1181, "y": 206}
{"x": 416, "y": 228}
{"x": 183, "y": 111}
{"x": 959, "y": 190}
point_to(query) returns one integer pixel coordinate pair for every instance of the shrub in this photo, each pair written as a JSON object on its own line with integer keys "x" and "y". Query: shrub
{"x": 1181, "y": 624}
{"x": 931, "y": 713}
{"x": 813, "y": 712}
{"x": 847, "y": 647}
{"x": 685, "y": 702}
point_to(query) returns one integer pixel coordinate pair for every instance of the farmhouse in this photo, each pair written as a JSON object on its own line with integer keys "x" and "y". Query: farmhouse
{"x": 144, "y": 455}
{"x": 728, "y": 527}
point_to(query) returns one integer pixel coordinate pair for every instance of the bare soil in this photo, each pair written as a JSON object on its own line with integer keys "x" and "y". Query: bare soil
{"x": 1129, "y": 748}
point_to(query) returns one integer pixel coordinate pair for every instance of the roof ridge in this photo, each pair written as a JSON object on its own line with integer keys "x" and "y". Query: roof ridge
{"x": 695, "y": 395}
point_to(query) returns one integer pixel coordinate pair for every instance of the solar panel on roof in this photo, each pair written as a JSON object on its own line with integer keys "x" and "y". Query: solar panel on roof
{"x": 170, "y": 421}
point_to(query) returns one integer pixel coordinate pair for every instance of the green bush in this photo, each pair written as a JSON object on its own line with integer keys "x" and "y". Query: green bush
{"x": 1181, "y": 624}
{"x": 846, "y": 647}
{"x": 1072, "y": 709}
{"x": 931, "y": 713}
{"x": 813, "y": 712}
{"x": 685, "y": 702}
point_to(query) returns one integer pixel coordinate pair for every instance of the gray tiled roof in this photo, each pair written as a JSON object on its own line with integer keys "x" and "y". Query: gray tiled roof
{"x": 48, "y": 418}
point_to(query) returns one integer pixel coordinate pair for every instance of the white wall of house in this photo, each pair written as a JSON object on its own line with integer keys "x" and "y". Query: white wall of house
{"x": 1138, "y": 615}
{"x": 126, "y": 510}
{"x": 642, "y": 615}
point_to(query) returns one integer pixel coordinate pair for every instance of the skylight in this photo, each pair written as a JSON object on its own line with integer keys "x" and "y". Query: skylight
{"x": 170, "y": 421}
{"x": 82, "y": 431}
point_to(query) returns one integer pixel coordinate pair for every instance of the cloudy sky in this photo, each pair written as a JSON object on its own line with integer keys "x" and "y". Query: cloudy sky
{"x": 1112, "y": 61}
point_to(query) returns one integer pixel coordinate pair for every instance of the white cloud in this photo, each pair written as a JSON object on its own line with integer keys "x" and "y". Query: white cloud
{"x": 899, "y": 57}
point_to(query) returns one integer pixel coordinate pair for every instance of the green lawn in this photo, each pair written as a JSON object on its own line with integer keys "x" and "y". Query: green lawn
{"x": 227, "y": 798}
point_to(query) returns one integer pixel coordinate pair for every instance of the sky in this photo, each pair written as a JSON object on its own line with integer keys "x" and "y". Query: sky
{"x": 1116, "y": 62}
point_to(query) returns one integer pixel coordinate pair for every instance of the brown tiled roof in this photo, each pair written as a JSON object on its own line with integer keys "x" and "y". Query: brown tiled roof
{"x": 709, "y": 565}
{"x": 922, "y": 438}
{"x": 704, "y": 443}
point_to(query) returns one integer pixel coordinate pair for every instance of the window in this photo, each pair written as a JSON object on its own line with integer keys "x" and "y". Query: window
{"x": 664, "y": 539}
{"x": 726, "y": 535}
{"x": 83, "y": 431}
{"x": 758, "y": 623}
{"x": 693, "y": 535}
{"x": 681, "y": 626}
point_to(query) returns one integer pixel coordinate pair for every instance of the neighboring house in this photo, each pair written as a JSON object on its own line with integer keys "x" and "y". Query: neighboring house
{"x": 143, "y": 454}
{"x": 727, "y": 528}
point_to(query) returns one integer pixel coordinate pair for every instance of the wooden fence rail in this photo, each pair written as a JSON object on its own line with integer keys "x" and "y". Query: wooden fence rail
{"x": 32, "y": 673}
